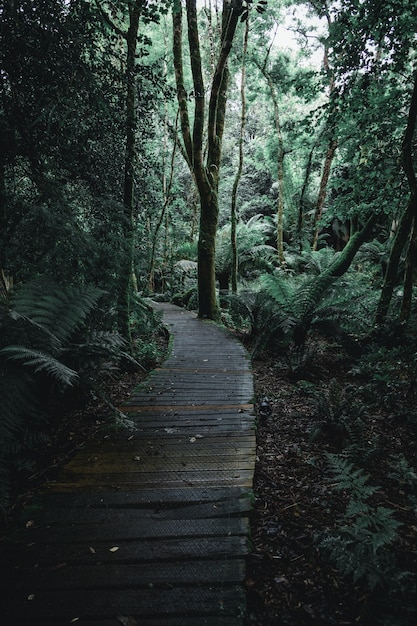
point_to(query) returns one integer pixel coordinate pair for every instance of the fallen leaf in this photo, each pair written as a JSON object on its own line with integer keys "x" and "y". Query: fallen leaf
{"x": 30, "y": 523}
{"x": 136, "y": 458}
{"x": 92, "y": 551}
{"x": 114, "y": 549}
{"x": 126, "y": 620}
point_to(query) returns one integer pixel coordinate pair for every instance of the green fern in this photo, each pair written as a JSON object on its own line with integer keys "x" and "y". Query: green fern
{"x": 59, "y": 311}
{"x": 41, "y": 362}
{"x": 348, "y": 478}
{"x": 362, "y": 545}
{"x": 44, "y": 338}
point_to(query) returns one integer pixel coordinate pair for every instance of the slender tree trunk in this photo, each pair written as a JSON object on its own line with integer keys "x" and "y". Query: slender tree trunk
{"x": 331, "y": 151}
{"x": 233, "y": 216}
{"x": 166, "y": 198}
{"x": 411, "y": 264}
{"x": 281, "y": 153}
{"x": 403, "y": 232}
{"x": 391, "y": 273}
{"x": 301, "y": 207}
{"x": 129, "y": 201}
{"x": 280, "y": 170}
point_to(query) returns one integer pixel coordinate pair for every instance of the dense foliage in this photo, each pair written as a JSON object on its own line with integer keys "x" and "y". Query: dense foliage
{"x": 289, "y": 129}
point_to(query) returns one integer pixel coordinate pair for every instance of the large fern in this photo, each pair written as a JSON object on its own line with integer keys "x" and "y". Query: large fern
{"x": 60, "y": 311}
{"x": 300, "y": 300}
{"x": 44, "y": 336}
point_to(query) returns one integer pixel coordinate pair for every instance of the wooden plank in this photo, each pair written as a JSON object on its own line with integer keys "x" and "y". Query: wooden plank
{"x": 137, "y": 464}
{"x": 138, "y": 603}
{"x": 54, "y": 516}
{"x": 105, "y": 482}
{"x": 124, "y": 575}
{"x": 165, "y": 621}
{"x": 150, "y": 498}
{"x": 151, "y": 443}
{"x": 137, "y": 530}
{"x": 128, "y": 620}
{"x": 30, "y": 554}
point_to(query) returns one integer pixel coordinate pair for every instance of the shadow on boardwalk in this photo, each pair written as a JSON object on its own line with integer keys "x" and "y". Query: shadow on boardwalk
{"x": 152, "y": 530}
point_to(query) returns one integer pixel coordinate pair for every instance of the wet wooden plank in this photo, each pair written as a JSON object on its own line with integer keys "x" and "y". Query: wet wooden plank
{"x": 166, "y": 497}
{"x": 136, "y": 530}
{"x": 174, "y": 480}
{"x": 127, "y": 620}
{"x": 138, "y": 603}
{"x": 30, "y": 554}
{"x": 53, "y": 516}
{"x": 124, "y": 575}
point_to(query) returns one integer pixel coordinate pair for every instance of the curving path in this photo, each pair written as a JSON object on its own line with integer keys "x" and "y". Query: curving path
{"x": 152, "y": 530}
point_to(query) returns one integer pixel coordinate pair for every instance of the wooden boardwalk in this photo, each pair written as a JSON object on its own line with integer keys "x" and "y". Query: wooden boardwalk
{"x": 151, "y": 530}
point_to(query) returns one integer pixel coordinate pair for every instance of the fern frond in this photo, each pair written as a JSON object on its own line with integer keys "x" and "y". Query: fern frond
{"x": 41, "y": 362}
{"x": 349, "y": 478}
{"x": 280, "y": 288}
{"x": 61, "y": 311}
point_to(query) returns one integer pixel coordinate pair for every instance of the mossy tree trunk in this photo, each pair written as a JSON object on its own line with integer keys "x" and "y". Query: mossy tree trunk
{"x": 407, "y": 224}
{"x": 205, "y": 171}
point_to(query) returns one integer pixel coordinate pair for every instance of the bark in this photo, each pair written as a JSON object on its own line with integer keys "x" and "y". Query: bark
{"x": 280, "y": 167}
{"x": 301, "y": 207}
{"x": 129, "y": 201}
{"x": 281, "y": 153}
{"x": 127, "y": 279}
{"x": 166, "y": 190}
{"x": 391, "y": 273}
{"x": 403, "y": 233}
{"x": 206, "y": 174}
{"x": 411, "y": 263}
{"x": 233, "y": 216}
{"x": 331, "y": 151}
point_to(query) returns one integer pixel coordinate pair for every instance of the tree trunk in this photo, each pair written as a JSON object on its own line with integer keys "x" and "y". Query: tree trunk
{"x": 331, "y": 151}
{"x": 411, "y": 264}
{"x": 126, "y": 271}
{"x": 233, "y": 216}
{"x": 166, "y": 199}
{"x": 206, "y": 175}
{"x": 403, "y": 232}
{"x": 280, "y": 169}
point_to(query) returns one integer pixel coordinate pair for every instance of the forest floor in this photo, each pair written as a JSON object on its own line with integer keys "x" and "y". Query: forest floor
{"x": 296, "y": 504}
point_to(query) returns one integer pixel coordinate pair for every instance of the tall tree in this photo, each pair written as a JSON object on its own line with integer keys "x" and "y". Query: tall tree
{"x": 233, "y": 213}
{"x": 205, "y": 169}
{"x": 136, "y": 10}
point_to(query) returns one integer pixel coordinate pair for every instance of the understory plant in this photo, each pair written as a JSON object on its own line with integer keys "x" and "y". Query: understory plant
{"x": 363, "y": 544}
{"x": 290, "y": 307}
{"x": 48, "y": 344}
